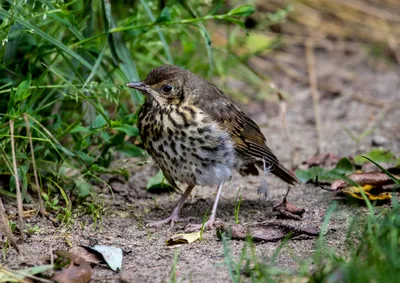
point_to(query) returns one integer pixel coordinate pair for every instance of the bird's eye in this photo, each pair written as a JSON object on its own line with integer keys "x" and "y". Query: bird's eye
{"x": 166, "y": 88}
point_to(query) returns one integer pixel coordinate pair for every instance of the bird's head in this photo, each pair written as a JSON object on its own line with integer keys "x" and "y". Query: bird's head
{"x": 168, "y": 84}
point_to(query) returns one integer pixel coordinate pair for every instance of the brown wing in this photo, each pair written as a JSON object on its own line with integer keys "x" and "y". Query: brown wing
{"x": 250, "y": 143}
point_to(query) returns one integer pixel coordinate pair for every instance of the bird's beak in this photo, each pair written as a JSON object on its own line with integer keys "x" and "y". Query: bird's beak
{"x": 138, "y": 85}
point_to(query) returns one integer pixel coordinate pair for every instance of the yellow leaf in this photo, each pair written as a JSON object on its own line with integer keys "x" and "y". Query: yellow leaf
{"x": 352, "y": 189}
{"x": 180, "y": 239}
{"x": 355, "y": 193}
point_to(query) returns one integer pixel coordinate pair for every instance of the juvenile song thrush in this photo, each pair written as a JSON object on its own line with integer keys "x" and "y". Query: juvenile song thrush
{"x": 197, "y": 135}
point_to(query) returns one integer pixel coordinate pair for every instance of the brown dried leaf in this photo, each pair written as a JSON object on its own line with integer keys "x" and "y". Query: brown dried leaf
{"x": 74, "y": 273}
{"x": 375, "y": 179}
{"x": 77, "y": 271}
{"x": 372, "y": 183}
{"x": 266, "y": 232}
{"x": 68, "y": 255}
{"x": 289, "y": 210}
{"x": 87, "y": 254}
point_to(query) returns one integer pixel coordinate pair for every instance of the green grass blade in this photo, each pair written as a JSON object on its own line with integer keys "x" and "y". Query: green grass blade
{"x": 397, "y": 181}
{"x": 160, "y": 34}
{"x": 207, "y": 39}
{"x": 121, "y": 54}
{"x": 95, "y": 67}
{"x": 47, "y": 37}
{"x": 66, "y": 23}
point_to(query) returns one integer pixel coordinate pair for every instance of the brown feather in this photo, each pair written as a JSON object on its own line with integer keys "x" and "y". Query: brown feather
{"x": 250, "y": 143}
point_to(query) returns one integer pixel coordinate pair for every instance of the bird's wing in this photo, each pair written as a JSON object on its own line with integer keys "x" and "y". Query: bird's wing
{"x": 246, "y": 135}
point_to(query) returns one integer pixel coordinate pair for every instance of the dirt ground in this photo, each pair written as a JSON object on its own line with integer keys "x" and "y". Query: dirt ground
{"x": 345, "y": 79}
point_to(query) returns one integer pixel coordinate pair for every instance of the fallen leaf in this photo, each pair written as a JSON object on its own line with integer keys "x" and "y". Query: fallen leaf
{"x": 265, "y": 232}
{"x": 289, "y": 210}
{"x": 87, "y": 254}
{"x": 112, "y": 255}
{"x": 70, "y": 256}
{"x": 355, "y": 192}
{"x": 74, "y": 273}
{"x": 180, "y": 239}
{"x": 372, "y": 183}
{"x": 77, "y": 269}
{"x": 375, "y": 179}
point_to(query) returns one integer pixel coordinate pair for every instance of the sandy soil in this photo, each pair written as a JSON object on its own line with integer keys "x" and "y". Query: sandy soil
{"x": 148, "y": 259}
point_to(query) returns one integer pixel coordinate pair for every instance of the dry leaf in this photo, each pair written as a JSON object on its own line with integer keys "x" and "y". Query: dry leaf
{"x": 375, "y": 179}
{"x": 74, "y": 273}
{"x": 87, "y": 254}
{"x": 289, "y": 210}
{"x": 68, "y": 255}
{"x": 266, "y": 232}
{"x": 77, "y": 271}
{"x": 355, "y": 192}
{"x": 372, "y": 183}
{"x": 180, "y": 239}
{"x": 111, "y": 255}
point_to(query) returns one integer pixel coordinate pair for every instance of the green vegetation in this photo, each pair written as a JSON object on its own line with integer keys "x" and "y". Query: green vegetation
{"x": 371, "y": 251}
{"x": 64, "y": 104}
{"x": 371, "y": 248}
{"x": 236, "y": 209}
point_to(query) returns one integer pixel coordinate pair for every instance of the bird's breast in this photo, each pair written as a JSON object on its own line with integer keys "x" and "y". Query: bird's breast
{"x": 187, "y": 144}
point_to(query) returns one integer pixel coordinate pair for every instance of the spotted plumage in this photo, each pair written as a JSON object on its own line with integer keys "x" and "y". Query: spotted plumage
{"x": 197, "y": 135}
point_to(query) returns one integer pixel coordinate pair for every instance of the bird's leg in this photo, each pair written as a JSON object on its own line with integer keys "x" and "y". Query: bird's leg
{"x": 210, "y": 222}
{"x": 174, "y": 217}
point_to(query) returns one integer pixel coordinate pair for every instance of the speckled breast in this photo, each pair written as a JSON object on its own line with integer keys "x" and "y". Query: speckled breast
{"x": 187, "y": 144}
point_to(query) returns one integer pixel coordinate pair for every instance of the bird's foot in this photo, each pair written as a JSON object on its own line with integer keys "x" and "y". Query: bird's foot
{"x": 172, "y": 219}
{"x": 196, "y": 227}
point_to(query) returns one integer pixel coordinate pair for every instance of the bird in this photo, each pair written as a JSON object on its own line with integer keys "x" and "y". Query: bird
{"x": 198, "y": 136}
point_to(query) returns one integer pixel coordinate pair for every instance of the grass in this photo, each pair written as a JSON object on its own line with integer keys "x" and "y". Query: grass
{"x": 371, "y": 251}
{"x": 236, "y": 209}
{"x": 174, "y": 267}
{"x": 372, "y": 254}
{"x": 204, "y": 220}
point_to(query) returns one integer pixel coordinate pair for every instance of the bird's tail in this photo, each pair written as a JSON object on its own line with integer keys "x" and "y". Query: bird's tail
{"x": 284, "y": 174}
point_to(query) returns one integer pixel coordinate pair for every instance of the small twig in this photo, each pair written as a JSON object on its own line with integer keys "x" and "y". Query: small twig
{"x": 314, "y": 89}
{"x": 38, "y": 188}
{"x": 287, "y": 192}
{"x": 5, "y": 228}
{"x": 321, "y": 186}
{"x": 17, "y": 185}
